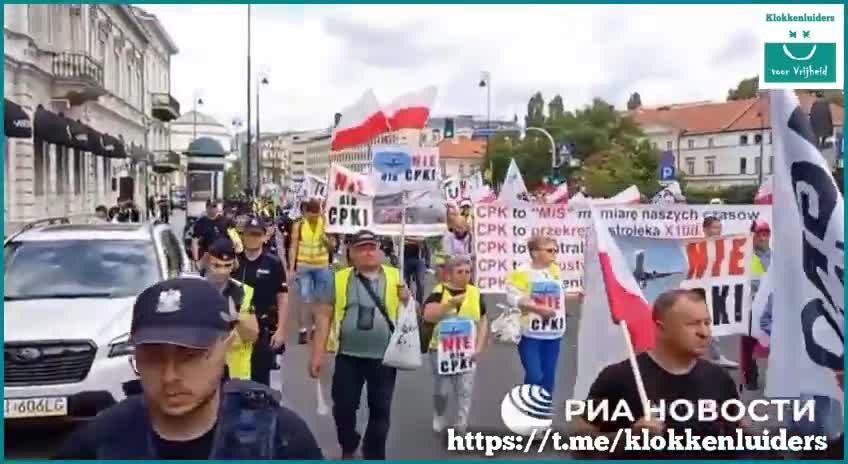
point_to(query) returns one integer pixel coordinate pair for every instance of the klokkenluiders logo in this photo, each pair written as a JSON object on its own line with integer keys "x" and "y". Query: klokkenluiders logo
{"x": 802, "y": 51}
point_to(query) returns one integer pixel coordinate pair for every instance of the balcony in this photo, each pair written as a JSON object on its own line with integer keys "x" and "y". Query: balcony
{"x": 77, "y": 77}
{"x": 165, "y": 162}
{"x": 165, "y": 107}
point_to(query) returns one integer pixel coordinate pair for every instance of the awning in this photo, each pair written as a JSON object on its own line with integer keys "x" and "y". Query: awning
{"x": 112, "y": 147}
{"x": 95, "y": 142}
{"x": 215, "y": 167}
{"x": 51, "y": 128}
{"x": 79, "y": 135}
{"x": 17, "y": 124}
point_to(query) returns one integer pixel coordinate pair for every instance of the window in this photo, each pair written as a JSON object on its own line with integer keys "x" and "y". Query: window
{"x": 668, "y": 145}
{"x": 444, "y": 167}
{"x": 690, "y": 166}
{"x": 690, "y": 143}
{"x": 757, "y": 165}
{"x": 758, "y": 139}
{"x": 743, "y": 140}
{"x": 769, "y": 137}
{"x": 710, "y": 166}
{"x": 743, "y": 165}
{"x": 710, "y": 142}
{"x": 116, "y": 72}
{"x": 771, "y": 164}
{"x": 461, "y": 169}
{"x": 99, "y": 268}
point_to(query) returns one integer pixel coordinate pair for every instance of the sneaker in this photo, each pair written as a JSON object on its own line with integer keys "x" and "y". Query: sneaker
{"x": 439, "y": 424}
{"x": 301, "y": 337}
{"x": 726, "y": 363}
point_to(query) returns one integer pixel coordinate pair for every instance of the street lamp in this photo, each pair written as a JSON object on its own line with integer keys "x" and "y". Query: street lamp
{"x": 261, "y": 80}
{"x": 553, "y": 146}
{"x": 248, "y": 152}
{"x": 197, "y": 101}
{"x": 486, "y": 81}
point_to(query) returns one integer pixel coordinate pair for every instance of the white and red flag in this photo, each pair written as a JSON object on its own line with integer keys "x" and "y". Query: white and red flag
{"x": 611, "y": 296}
{"x": 360, "y": 123}
{"x": 411, "y": 110}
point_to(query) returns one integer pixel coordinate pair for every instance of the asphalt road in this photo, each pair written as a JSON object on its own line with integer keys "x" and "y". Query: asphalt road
{"x": 411, "y": 435}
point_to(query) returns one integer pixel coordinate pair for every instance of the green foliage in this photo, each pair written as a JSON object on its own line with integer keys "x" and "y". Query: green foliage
{"x": 747, "y": 88}
{"x": 735, "y": 195}
{"x": 597, "y": 131}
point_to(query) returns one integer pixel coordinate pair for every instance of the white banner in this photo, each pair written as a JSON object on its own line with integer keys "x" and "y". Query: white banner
{"x": 502, "y": 231}
{"x": 721, "y": 268}
{"x": 396, "y": 168}
{"x": 457, "y": 346}
{"x": 807, "y": 335}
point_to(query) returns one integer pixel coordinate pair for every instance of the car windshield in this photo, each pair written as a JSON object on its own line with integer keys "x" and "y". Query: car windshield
{"x": 78, "y": 268}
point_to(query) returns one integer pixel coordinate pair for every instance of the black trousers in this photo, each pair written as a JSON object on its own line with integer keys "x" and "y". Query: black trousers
{"x": 350, "y": 374}
{"x": 262, "y": 358}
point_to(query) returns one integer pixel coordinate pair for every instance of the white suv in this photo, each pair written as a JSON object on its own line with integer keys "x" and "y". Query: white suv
{"x": 69, "y": 292}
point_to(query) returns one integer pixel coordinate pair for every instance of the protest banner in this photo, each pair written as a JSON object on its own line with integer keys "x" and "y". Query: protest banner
{"x": 457, "y": 346}
{"x": 396, "y": 168}
{"x": 314, "y": 186}
{"x": 426, "y": 215}
{"x": 457, "y": 188}
{"x": 721, "y": 268}
{"x": 549, "y": 294}
{"x": 502, "y": 231}
{"x": 348, "y": 213}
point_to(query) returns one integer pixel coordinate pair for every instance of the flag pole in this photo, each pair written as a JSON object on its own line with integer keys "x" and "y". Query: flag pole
{"x": 631, "y": 355}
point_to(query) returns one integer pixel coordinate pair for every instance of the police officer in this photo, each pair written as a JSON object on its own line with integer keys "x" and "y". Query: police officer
{"x": 221, "y": 262}
{"x": 265, "y": 273}
{"x": 181, "y": 330}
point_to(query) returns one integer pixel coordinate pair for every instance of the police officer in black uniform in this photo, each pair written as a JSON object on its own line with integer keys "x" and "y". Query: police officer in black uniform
{"x": 266, "y": 274}
{"x": 181, "y": 329}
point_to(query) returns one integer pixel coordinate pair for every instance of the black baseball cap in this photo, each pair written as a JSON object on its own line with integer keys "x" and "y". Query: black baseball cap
{"x": 254, "y": 222}
{"x": 363, "y": 237}
{"x": 185, "y": 311}
{"x": 222, "y": 249}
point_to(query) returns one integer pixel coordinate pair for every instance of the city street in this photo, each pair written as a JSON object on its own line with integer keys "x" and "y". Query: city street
{"x": 411, "y": 434}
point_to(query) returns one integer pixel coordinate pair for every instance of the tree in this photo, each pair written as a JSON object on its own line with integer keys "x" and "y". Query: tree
{"x": 535, "y": 111}
{"x": 634, "y": 102}
{"x": 627, "y": 162}
{"x": 232, "y": 180}
{"x": 835, "y": 96}
{"x": 556, "y": 110}
{"x": 747, "y": 88}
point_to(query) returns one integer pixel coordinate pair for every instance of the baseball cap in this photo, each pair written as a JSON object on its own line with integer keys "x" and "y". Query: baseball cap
{"x": 254, "y": 222}
{"x": 184, "y": 311}
{"x": 760, "y": 225}
{"x": 222, "y": 249}
{"x": 363, "y": 237}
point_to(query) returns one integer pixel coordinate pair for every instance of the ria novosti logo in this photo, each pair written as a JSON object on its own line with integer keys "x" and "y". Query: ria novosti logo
{"x": 526, "y": 408}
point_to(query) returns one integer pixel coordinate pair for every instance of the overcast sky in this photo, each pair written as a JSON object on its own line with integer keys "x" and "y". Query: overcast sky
{"x": 320, "y": 58}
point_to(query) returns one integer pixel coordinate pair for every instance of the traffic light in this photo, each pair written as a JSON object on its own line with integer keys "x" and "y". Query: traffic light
{"x": 449, "y": 128}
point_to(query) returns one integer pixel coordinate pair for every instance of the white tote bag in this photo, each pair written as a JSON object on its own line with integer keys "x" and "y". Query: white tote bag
{"x": 506, "y": 328}
{"x": 404, "y": 350}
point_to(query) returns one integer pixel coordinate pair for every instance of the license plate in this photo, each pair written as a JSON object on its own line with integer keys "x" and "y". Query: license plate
{"x": 17, "y": 408}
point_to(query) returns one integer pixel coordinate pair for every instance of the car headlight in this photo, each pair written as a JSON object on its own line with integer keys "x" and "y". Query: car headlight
{"x": 121, "y": 347}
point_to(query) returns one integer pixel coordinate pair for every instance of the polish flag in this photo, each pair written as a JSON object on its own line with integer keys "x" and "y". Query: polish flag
{"x": 559, "y": 196}
{"x": 360, "y": 123}
{"x": 764, "y": 193}
{"x": 412, "y": 110}
{"x": 611, "y": 295}
{"x": 626, "y": 301}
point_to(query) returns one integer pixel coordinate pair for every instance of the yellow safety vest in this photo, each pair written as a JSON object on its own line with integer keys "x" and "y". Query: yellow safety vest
{"x": 310, "y": 249}
{"x": 757, "y": 268}
{"x": 469, "y": 309}
{"x": 232, "y": 232}
{"x": 342, "y": 278}
{"x": 238, "y": 356}
{"x": 520, "y": 279}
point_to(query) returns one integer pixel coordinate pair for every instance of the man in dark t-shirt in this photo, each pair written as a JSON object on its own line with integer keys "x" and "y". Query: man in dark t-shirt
{"x": 672, "y": 370}
{"x": 205, "y": 231}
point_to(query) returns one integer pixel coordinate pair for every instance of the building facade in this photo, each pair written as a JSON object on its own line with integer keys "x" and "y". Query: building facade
{"x": 460, "y": 156}
{"x": 92, "y": 69}
{"x": 723, "y": 144}
{"x": 190, "y": 126}
{"x": 273, "y": 159}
